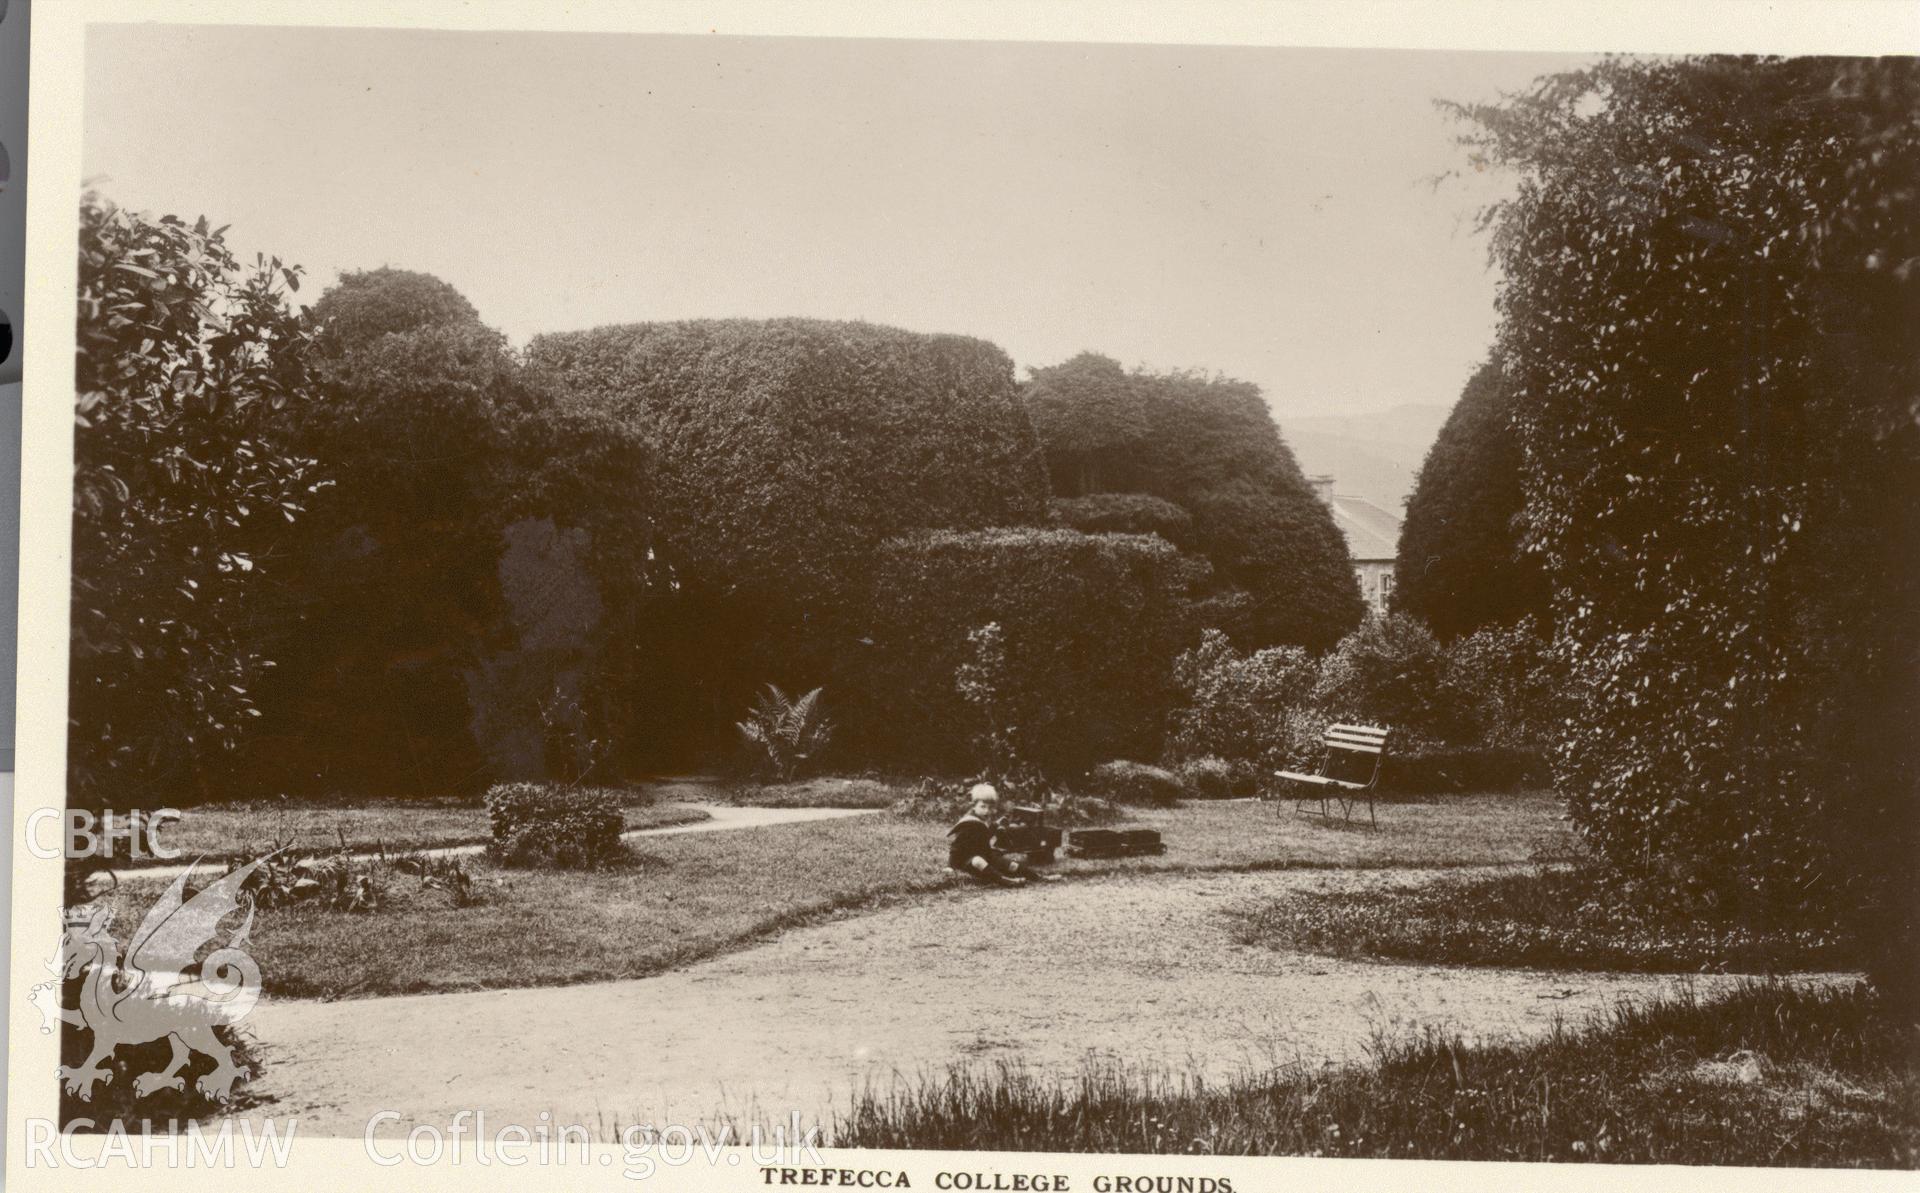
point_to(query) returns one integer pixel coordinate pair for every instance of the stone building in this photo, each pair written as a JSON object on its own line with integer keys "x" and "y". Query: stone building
{"x": 1373, "y": 537}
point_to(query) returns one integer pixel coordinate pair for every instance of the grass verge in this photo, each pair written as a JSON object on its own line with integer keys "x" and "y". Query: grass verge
{"x": 1541, "y": 918}
{"x": 1769, "y": 1075}
{"x": 254, "y": 827}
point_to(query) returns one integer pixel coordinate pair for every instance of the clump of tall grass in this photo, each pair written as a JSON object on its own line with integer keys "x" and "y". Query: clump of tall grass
{"x": 1767, "y": 1075}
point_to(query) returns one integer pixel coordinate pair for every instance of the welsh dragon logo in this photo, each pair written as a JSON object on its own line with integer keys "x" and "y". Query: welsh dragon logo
{"x": 151, "y": 996}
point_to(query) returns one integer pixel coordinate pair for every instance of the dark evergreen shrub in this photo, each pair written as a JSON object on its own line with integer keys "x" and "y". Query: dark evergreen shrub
{"x": 538, "y": 824}
{"x": 1089, "y": 626}
{"x": 781, "y": 454}
{"x": 391, "y": 606}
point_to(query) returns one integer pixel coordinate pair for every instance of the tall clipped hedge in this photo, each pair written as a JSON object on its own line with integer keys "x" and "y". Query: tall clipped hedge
{"x": 784, "y": 452}
{"x": 1091, "y": 626}
{"x": 1712, "y": 313}
{"x": 1460, "y": 563}
{"x": 787, "y": 449}
{"x": 1209, "y": 446}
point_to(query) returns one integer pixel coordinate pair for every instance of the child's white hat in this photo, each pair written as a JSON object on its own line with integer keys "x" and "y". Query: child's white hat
{"x": 984, "y": 791}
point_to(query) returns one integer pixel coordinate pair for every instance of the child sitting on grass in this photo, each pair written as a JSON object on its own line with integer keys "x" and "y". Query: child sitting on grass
{"x": 971, "y": 850}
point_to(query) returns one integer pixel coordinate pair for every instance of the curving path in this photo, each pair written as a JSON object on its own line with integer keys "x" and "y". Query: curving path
{"x": 720, "y": 817}
{"x": 1137, "y": 969}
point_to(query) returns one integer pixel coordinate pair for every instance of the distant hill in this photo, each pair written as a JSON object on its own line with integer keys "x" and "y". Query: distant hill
{"x": 1374, "y": 455}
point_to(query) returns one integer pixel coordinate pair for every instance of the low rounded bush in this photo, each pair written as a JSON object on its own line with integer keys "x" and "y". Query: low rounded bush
{"x": 1209, "y": 777}
{"x": 1135, "y": 783}
{"x": 539, "y": 824}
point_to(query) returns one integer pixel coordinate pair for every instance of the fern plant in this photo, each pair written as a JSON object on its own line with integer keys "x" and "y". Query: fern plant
{"x": 786, "y": 734}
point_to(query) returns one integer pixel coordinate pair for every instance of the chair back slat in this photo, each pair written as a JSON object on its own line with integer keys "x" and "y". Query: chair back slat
{"x": 1353, "y": 747}
{"x": 1373, "y": 731}
{"x": 1363, "y": 739}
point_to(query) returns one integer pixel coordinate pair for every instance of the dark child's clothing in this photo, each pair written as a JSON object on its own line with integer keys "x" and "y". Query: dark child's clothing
{"x": 969, "y": 838}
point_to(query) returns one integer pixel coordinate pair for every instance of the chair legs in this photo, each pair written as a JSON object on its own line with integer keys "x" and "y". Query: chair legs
{"x": 1326, "y": 811}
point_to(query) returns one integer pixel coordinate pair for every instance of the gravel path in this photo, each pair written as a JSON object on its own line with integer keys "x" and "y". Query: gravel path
{"x": 1136, "y": 969}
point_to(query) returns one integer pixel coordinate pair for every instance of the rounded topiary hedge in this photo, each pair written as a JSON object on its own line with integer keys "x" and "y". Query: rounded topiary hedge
{"x": 786, "y": 449}
{"x": 1199, "y": 458}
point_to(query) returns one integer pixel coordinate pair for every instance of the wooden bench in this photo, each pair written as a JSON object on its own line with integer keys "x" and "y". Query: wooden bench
{"x": 1349, "y": 771}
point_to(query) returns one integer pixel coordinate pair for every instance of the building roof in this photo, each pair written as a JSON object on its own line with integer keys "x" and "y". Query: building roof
{"x": 1373, "y": 534}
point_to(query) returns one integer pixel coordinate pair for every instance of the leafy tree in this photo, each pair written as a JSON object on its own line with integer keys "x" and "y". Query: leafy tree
{"x": 1709, "y": 320}
{"x": 1503, "y": 677}
{"x": 1209, "y": 446}
{"x": 183, "y": 491}
{"x": 1460, "y": 565}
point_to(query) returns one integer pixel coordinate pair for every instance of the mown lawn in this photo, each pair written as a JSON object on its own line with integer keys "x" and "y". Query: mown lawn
{"x": 693, "y": 896}
{"x": 1550, "y": 918}
{"x": 254, "y": 827}
{"x": 824, "y": 792}
{"x": 1769, "y": 1075}
{"x": 1459, "y": 830}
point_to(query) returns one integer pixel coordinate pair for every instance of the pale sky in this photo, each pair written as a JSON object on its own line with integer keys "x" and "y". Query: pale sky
{"x": 1263, "y": 213}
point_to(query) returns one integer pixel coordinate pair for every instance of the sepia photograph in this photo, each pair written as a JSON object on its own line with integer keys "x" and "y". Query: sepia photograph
{"x": 638, "y": 592}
